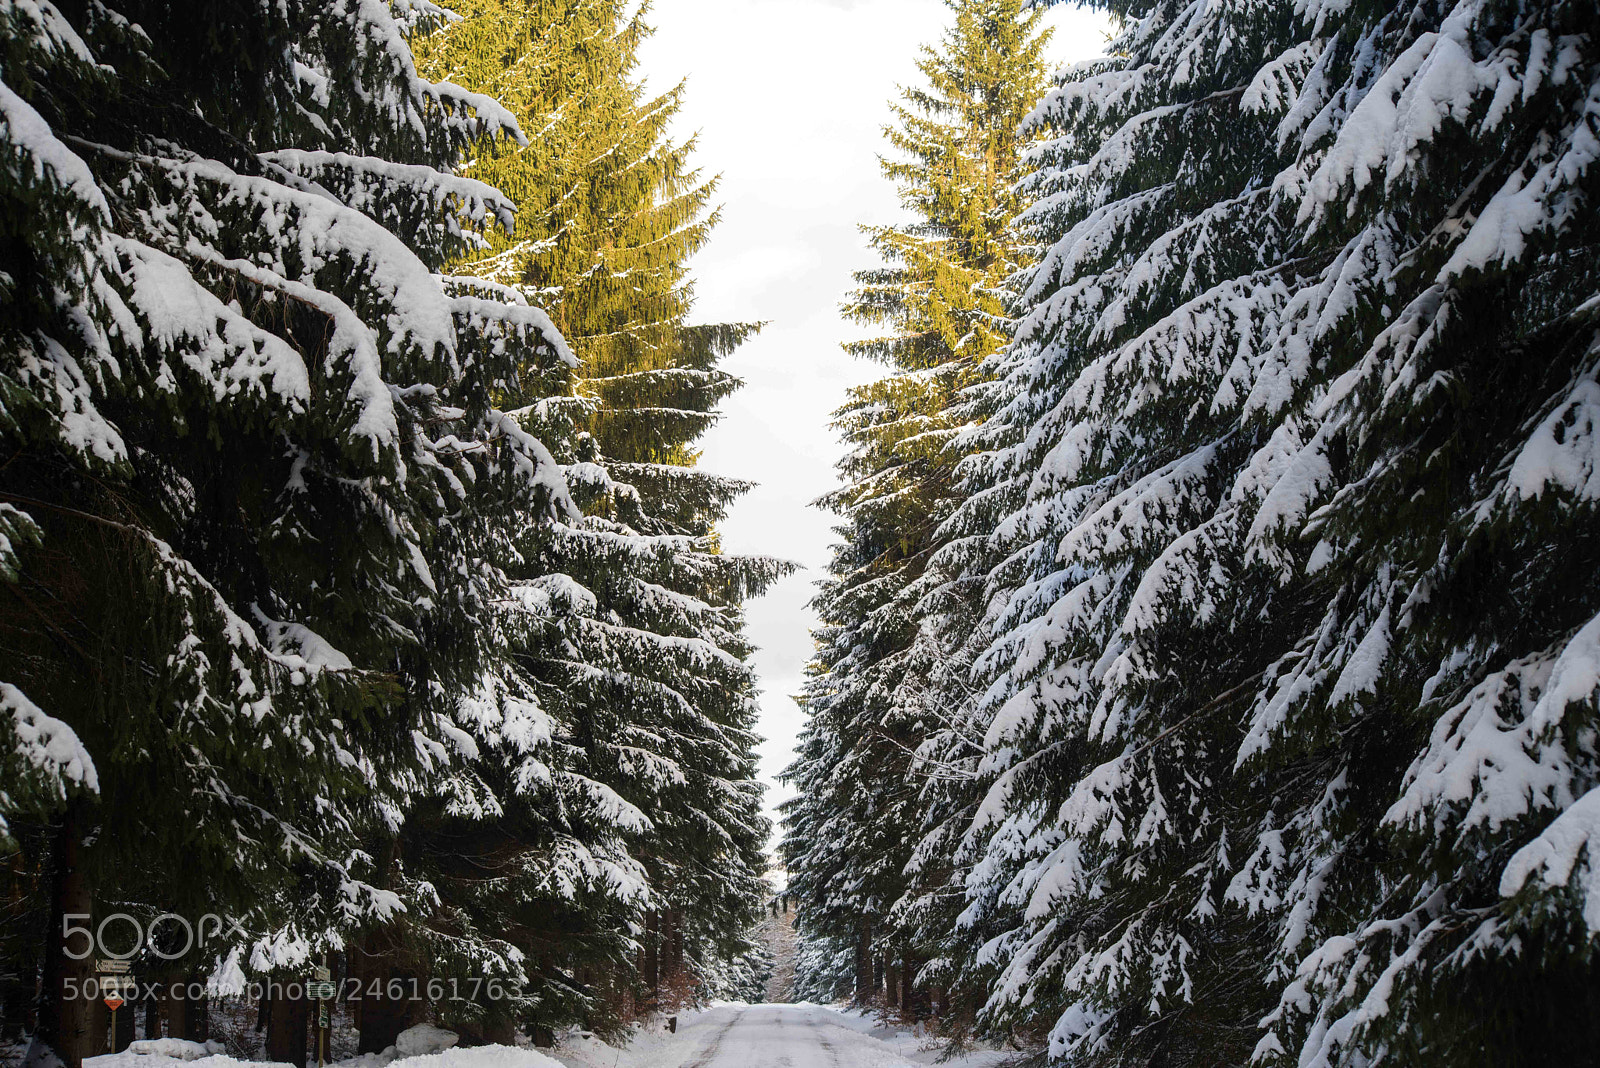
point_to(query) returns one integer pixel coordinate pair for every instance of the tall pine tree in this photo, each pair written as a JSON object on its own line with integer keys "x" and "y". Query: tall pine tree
{"x": 645, "y": 668}
{"x": 862, "y": 784}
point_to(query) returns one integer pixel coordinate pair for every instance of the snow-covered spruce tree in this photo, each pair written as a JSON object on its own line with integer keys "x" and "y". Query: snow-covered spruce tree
{"x": 523, "y": 862}
{"x": 517, "y": 861}
{"x": 645, "y": 662}
{"x": 1290, "y": 694}
{"x": 1444, "y": 493}
{"x": 628, "y": 645}
{"x": 741, "y": 978}
{"x": 824, "y": 969}
{"x": 252, "y": 452}
{"x": 862, "y": 805}
{"x": 643, "y": 671}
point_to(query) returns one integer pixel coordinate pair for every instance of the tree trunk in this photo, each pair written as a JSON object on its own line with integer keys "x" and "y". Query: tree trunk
{"x": 63, "y": 1027}
{"x": 14, "y": 1010}
{"x": 20, "y": 876}
{"x": 672, "y": 945}
{"x": 97, "y": 1043}
{"x": 891, "y": 997}
{"x": 650, "y": 969}
{"x": 864, "y": 962}
{"x": 152, "y": 1017}
{"x": 384, "y": 1017}
{"x": 907, "y": 971}
{"x": 499, "y": 1029}
{"x": 186, "y": 1017}
{"x": 175, "y": 1002}
{"x": 286, "y": 1027}
{"x": 376, "y": 963}
{"x": 380, "y": 1016}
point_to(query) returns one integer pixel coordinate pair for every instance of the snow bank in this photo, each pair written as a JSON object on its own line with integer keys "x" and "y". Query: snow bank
{"x": 178, "y": 1049}
{"x": 479, "y": 1057}
{"x": 424, "y": 1040}
{"x": 167, "y": 1052}
{"x": 131, "y": 1059}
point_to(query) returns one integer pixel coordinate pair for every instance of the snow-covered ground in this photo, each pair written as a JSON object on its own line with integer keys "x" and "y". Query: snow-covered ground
{"x": 726, "y": 1036}
{"x": 770, "y": 1036}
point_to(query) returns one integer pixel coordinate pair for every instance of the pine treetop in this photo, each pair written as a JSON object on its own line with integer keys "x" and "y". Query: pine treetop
{"x": 611, "y": 210}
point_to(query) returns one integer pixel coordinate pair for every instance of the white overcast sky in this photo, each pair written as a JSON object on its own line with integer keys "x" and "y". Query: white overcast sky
{"x": 789, "y": 98}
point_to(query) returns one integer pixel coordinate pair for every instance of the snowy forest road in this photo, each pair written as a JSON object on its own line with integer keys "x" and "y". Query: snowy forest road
{"x": 782, "y": 1036}
{"x": 772, "y": 1036}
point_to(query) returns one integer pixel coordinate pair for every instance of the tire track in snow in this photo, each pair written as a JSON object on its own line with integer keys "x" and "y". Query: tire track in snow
{"x": 822, "y": 1040}
{"x": 709, "y": 1054}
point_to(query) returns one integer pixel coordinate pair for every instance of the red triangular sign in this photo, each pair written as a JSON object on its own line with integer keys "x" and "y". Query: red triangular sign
{"x": 113, "y": 1004}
